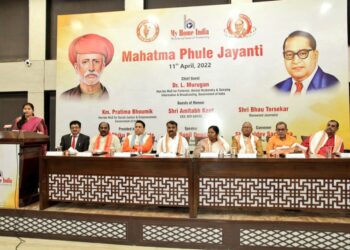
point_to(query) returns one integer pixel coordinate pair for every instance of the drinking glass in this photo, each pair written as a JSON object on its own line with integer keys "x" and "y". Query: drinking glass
{"x": 233, "y": 152}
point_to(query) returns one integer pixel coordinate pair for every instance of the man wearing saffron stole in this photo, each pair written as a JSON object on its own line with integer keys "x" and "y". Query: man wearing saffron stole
{"x": 139, "y": 141}
{"x": 214, "y": 143}
{"x": 246, "y": 143}
{"x": 172, "y": 142}
{"x": 105, "y": 141}
{"x": 322, "y": 140}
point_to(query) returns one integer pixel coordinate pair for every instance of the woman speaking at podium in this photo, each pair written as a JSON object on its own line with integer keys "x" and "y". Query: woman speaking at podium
{"x": 28, "y": 122}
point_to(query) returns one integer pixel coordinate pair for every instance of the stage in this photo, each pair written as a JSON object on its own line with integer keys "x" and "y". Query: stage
{"x": 172, "y": 227}
{"x": 221, "y": 203}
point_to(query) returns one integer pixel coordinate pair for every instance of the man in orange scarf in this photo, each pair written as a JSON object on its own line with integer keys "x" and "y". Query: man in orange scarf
{"x": 281, "y": 142}
{"x": 172, "y": 142}
{"x": 105, "y": 141}
{"x": 139, "y": 141}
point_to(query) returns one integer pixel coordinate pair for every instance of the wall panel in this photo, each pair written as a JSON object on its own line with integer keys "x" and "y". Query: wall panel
{"x": 61, "y": 7}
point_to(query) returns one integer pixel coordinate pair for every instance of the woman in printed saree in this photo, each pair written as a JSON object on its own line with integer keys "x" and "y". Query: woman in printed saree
{"x": 213, "y": 143}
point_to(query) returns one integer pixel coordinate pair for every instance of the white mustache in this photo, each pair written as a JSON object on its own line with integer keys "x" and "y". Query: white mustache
{"x": 85, "y": 79}
{"x": 91, "y": 73}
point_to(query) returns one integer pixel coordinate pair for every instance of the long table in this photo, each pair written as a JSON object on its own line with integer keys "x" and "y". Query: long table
{"x": 141, "y": 181}
{"x": 298, "y": 184}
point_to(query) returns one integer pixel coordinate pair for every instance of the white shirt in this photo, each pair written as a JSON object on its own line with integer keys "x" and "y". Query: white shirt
{"x": 137, "y": 138}
{"x": 172, "y": 144}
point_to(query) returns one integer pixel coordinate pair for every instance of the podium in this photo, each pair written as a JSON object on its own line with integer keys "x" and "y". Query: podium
{"x": 19, "y": 172}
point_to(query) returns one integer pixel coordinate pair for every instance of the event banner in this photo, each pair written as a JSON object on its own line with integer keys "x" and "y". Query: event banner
{"x": 9, "y": 176}
{"x": 201, "y": 66}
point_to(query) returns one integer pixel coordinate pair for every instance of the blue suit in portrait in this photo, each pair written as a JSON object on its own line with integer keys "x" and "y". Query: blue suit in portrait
{"x": 321, "y": 80}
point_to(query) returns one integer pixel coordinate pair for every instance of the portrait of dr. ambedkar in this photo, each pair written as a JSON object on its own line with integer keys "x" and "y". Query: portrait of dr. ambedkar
{"x": 89, "y": 54}
{"x": 301, "y": 62}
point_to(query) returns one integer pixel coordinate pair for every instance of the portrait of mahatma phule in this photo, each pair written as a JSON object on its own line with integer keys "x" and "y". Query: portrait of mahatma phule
{"x": 89, "y": 55}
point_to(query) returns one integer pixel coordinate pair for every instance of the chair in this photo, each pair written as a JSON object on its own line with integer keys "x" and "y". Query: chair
{"x": 197, "y": 139}
{"x": 187, "y": 139}
{"x": 304, "y": 137}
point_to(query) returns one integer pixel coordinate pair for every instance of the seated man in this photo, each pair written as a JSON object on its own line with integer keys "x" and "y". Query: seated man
{"x": 172, "y": 142}
{"x": 75, "y": 139}
{"x": 139, "y": 141}
{"x": 214, "y": 143}
{"x": 281, "y": 142}
{"x": 321, "y": 140}
{"x": 105, "y": 141}
{"x": 246, "y": 143}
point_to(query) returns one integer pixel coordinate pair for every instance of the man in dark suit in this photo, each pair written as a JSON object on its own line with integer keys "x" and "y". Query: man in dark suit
{"x": 75, "y": 139}
{"x": 300, "y": 58}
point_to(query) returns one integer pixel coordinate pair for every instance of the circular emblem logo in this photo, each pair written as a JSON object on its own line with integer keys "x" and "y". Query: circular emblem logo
{"x": 240, "y": 27}
{"x": 147, "y": 31}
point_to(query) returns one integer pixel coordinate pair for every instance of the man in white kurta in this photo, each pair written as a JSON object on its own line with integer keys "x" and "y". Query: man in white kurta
{"x": 172, "y": 142}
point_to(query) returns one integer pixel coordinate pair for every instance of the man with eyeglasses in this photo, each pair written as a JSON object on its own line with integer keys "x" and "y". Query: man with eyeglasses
{"x": 75, "y": 139}
{"x": 240, "y": 31}
{"x": 300, "y": 58}
{"x": 325, "y": 140}
{"x": 281, "y": 142}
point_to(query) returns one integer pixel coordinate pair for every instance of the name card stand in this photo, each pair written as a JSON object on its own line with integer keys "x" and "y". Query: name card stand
{"x": 344, "y": 155}
{"x": 84, "y": 154}
{"x": 54, "y": 153}
{"x": 209, "y": 155}
{"x": 122, "y": 154}
{"x": 241, "y": 155}
{"x": 295, "y": 156}
{"x": 167, "y": 155}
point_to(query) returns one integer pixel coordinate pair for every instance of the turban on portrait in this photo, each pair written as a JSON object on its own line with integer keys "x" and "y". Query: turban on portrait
{"x": 91, "y": 44}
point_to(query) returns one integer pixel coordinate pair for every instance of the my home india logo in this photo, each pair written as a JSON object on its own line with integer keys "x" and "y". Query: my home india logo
{"x": 5, "y": 181}
{"x": 189, "y": 31}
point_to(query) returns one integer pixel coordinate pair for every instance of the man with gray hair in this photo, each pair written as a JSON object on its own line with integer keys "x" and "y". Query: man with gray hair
{"x": 246, "y": 142}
